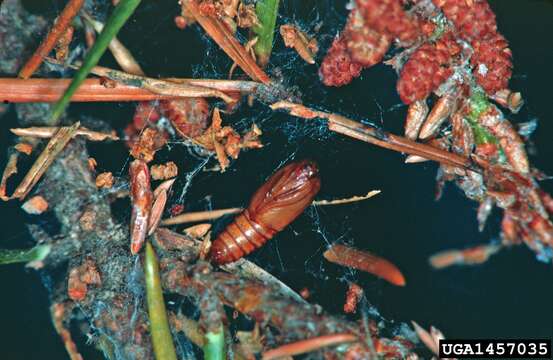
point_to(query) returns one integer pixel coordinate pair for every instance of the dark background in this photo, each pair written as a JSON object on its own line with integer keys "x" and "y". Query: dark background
{"x": 509, "y": 296}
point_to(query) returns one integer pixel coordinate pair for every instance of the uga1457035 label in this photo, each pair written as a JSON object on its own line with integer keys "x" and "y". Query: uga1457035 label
{"x": 496, "y": 349}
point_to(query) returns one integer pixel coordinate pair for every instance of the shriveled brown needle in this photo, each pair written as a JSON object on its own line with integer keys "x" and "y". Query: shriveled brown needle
{"x": 243, "y": 86}
{"x": 53, "y": 148}
{"x": 199, "y": 216}
{"x": 159, "y": 86}
{"x": 369, "y": 195}
{"x": 378, "y": 137}
{"x": 305, "y": 346}
{"x": 160, "y": 199}
{"x": 49, "y": 131}
{"x": 226, "y": 41}
{"x": 62, "y": 22}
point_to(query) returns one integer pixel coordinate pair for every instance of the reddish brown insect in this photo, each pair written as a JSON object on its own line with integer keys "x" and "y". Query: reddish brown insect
{"x": 274, "y": 205}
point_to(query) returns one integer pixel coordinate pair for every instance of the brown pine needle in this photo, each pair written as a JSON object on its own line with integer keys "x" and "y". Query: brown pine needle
{"x": 63, "y": 21}
{"x": 49, "y": 131}
{"x": 53, "y": 148}
{"x": 309, "y": 345}
{"x": 91, "y": 90}
{"x": 378, "y": 137}
{"x": 214, "y": 214}
{"x": 99, "y": 90}
{"x": 199, "y": 216}
{"x": 370, "y": 194}
{"x": 226, "y": 41}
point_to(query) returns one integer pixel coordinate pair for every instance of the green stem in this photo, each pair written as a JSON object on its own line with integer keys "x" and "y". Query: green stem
{"x": 478, "y": 105}
{"x": 37, "y": 253}
{"x": 120, "y": 15}
{"x": 159, "y": 325}
{"x": 266, "y": 11}
{"x": 214, "y": 345}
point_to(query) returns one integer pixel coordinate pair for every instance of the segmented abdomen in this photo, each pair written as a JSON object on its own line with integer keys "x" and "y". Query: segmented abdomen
{"x": 239, "y": 239}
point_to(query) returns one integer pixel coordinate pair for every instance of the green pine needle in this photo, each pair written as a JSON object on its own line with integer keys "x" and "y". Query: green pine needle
{"x": 266, "y": 11}
{"x": 37, "y": 253}
{"x": 159, "y": 324}
{"x": 214, "y": 345}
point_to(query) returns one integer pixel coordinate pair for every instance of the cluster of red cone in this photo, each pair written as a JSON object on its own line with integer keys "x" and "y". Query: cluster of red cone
{"x": 374, "y": 24}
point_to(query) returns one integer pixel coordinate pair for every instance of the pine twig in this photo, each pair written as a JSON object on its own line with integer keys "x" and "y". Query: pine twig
{"x": 378, "y": 137}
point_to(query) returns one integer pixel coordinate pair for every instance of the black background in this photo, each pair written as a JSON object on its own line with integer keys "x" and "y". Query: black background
{"x": 510, "y": 296}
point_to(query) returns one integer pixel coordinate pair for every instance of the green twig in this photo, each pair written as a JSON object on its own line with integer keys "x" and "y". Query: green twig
{"x": 267, "y": 11}
{"x": 159, "y": 325}
{"x": 214, "y": 345}
{"x": 37, "y": 253}
{"x": 120, "y": 14}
